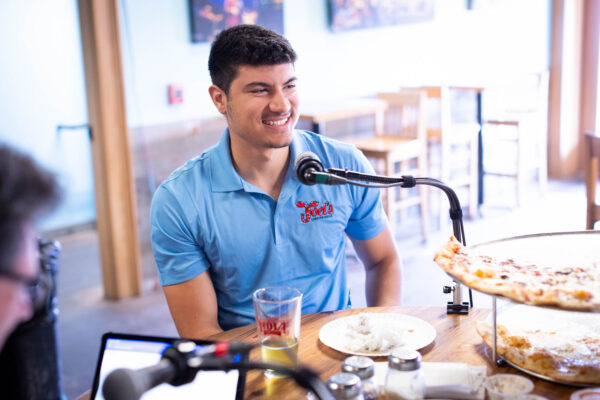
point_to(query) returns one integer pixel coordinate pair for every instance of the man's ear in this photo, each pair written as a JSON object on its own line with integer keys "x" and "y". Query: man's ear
{"x": 218, "y": 97}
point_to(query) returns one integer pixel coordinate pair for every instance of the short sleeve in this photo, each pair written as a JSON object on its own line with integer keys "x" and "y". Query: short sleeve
{"x": 177, "y": 248}
{"x": 367, "y": 219}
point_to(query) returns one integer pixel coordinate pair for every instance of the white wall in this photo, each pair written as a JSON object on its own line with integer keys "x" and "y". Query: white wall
{"x": 42, "y": 86}
{"x": 459, "y": 46}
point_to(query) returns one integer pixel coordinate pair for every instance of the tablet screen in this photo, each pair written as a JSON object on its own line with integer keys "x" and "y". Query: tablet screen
{"x": 136, "y": 352}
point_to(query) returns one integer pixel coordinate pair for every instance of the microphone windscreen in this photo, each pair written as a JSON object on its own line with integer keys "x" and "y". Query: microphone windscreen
{"x": 126, "y": 383}
{"x": 304, "y": 157}
{"x": 122, "y": 384}
{"x": 307, "y": 163}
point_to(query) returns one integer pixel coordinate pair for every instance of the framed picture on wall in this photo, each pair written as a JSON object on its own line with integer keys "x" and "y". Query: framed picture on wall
{"x": 357, "y": 14}
{"x": 209, "y": 17}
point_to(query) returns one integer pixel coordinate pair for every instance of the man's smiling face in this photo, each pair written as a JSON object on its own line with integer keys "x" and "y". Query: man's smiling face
{"x": 262, "y": 105}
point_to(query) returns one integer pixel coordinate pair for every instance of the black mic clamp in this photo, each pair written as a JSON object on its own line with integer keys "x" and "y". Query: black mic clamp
{"x": 182, "y": 355}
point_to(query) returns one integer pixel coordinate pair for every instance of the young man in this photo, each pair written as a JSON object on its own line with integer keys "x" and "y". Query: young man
{"x": 25, "y": 191}
{"x": 236, "y": 218}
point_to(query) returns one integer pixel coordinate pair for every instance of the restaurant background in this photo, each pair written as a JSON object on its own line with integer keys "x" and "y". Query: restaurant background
{"x": 43, "y": 84}
{"x": 42, "y": 81}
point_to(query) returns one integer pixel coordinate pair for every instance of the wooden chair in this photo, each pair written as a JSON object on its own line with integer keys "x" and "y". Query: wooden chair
{"x": 401, "y": 150}
{"x": 592, "y": 167}
{"x": 515, "y": 128}
{"x": 453, "y": 148}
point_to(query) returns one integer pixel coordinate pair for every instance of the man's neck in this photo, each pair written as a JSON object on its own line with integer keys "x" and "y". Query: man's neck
{"x": 264, "y": 168}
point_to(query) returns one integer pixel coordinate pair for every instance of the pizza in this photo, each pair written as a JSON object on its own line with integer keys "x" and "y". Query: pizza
{"x": 561, "y": 345}
{"x": 569, "y": 286}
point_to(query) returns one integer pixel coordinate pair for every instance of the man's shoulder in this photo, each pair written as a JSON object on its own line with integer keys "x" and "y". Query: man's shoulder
{"x": 185, "y": 186}
{"x": 192, "y": 170}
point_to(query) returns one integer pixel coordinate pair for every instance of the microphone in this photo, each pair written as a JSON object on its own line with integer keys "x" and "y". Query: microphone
{"x": 124, "y": 383}
{"x": 310, "y": 171}
{"x": 178, "y": 366}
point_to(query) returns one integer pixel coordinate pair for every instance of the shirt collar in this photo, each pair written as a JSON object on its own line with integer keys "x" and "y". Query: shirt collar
{"x": 224, "y": 178}
{"x": 291, "y": 182}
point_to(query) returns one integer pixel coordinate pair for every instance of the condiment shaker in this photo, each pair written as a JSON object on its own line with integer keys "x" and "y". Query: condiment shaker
{"x": 405, "y": 378}
{"x": 364, "y": 368}
{"x": 346, "y": 386}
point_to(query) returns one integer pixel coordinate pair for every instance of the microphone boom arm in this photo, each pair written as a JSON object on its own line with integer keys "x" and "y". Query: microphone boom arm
{"x": 457, "y": 306}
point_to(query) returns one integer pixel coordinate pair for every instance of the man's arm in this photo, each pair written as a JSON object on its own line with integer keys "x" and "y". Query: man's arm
{"x": 382, "y": 266}
{"x": 193, "y": 306}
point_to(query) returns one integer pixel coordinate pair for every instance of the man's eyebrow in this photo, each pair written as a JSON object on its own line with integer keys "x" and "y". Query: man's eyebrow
{"x": 264, "y": 84}
{"x": 252, "y": 84}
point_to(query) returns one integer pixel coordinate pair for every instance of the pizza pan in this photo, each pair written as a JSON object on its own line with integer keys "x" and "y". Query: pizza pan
{"x": 547, "y": 378}
{"x": 552, "y": 249}
{"x": 520, "y": 317}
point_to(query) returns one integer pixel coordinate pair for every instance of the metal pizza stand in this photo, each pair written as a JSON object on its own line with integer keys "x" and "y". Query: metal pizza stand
{"x": 560, "y": 249}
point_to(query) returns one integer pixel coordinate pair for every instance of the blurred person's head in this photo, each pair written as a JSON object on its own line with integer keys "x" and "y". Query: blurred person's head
{"x": 250, "y": 45}
{"x": 26, "y": 191}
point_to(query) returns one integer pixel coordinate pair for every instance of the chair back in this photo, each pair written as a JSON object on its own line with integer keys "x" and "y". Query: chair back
{"x": 405, "y": 115}
{"x": 516, "y": 96}
{"x": 591, "y": 177}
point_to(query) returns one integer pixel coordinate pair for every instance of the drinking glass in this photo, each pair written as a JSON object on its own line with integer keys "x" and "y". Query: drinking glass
{"x": 277, "y": 310}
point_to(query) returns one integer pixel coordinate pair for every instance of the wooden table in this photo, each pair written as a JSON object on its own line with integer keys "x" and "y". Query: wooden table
{"x": 456, "y": 341}
{"x": 322, "y": 111}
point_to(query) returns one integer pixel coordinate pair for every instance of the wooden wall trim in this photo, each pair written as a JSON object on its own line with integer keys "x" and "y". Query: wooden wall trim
{"x": 589, "y": 74}
{"x": 554, "y": 89}
{"x": 111, "y": 155}
{"x": 565, "y": 88}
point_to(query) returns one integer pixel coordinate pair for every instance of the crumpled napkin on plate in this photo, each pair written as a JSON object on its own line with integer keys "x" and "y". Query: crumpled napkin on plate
{"x": 446, "y": 380}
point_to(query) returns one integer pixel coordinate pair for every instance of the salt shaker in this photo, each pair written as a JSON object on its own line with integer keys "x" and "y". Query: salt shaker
{"x": 344, "y": 385}
{"x": 405, "y": 378}
{"x": 364, "y": 368}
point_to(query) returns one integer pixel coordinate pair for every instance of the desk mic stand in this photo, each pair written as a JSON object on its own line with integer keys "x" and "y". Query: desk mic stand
{"x": 181, "y": 362}
{"x": 335, "y": 176}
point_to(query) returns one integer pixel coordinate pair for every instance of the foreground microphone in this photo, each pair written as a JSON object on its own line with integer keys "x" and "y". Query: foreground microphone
{"x": 310, "y": 171}
{"x": 178, "y": 366}
{"x": 307, "y": 163}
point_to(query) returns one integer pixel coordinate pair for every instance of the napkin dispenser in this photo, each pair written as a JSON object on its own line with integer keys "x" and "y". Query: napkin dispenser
{"x": 447, "y": 380}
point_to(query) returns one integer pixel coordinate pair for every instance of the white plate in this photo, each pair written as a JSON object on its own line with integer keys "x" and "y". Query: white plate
{"x": 418, "y": 333}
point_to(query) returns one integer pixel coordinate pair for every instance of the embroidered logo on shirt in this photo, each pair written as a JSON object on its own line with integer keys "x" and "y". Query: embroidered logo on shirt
{"x": 314, "y": 211}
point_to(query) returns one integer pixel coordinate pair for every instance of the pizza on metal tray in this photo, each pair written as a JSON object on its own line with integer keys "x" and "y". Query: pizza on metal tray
{"x": 569, "y": 355}
{"x": 561, "y": 345}
{"x": 570, "y": 287}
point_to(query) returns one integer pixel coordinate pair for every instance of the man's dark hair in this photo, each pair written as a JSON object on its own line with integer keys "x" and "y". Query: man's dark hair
{"x": 246, "y": 45}
{"x": 26, "y": 190}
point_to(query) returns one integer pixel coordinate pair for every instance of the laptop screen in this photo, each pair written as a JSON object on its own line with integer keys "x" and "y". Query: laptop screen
{"x": 136, "y": 352}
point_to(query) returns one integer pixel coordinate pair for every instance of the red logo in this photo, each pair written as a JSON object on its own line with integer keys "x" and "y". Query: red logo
{"x": 273, "y": 326}
{"x": 312, "y": 209}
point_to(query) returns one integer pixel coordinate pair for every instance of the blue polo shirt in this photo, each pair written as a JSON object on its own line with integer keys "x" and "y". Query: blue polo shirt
{"x": 206, "y": 217}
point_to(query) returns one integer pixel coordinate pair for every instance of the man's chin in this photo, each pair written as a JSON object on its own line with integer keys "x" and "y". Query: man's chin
{"x": 284, "y": 141}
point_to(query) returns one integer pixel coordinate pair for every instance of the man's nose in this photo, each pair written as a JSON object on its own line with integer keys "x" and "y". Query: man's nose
{"x": 280, "y": 102}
